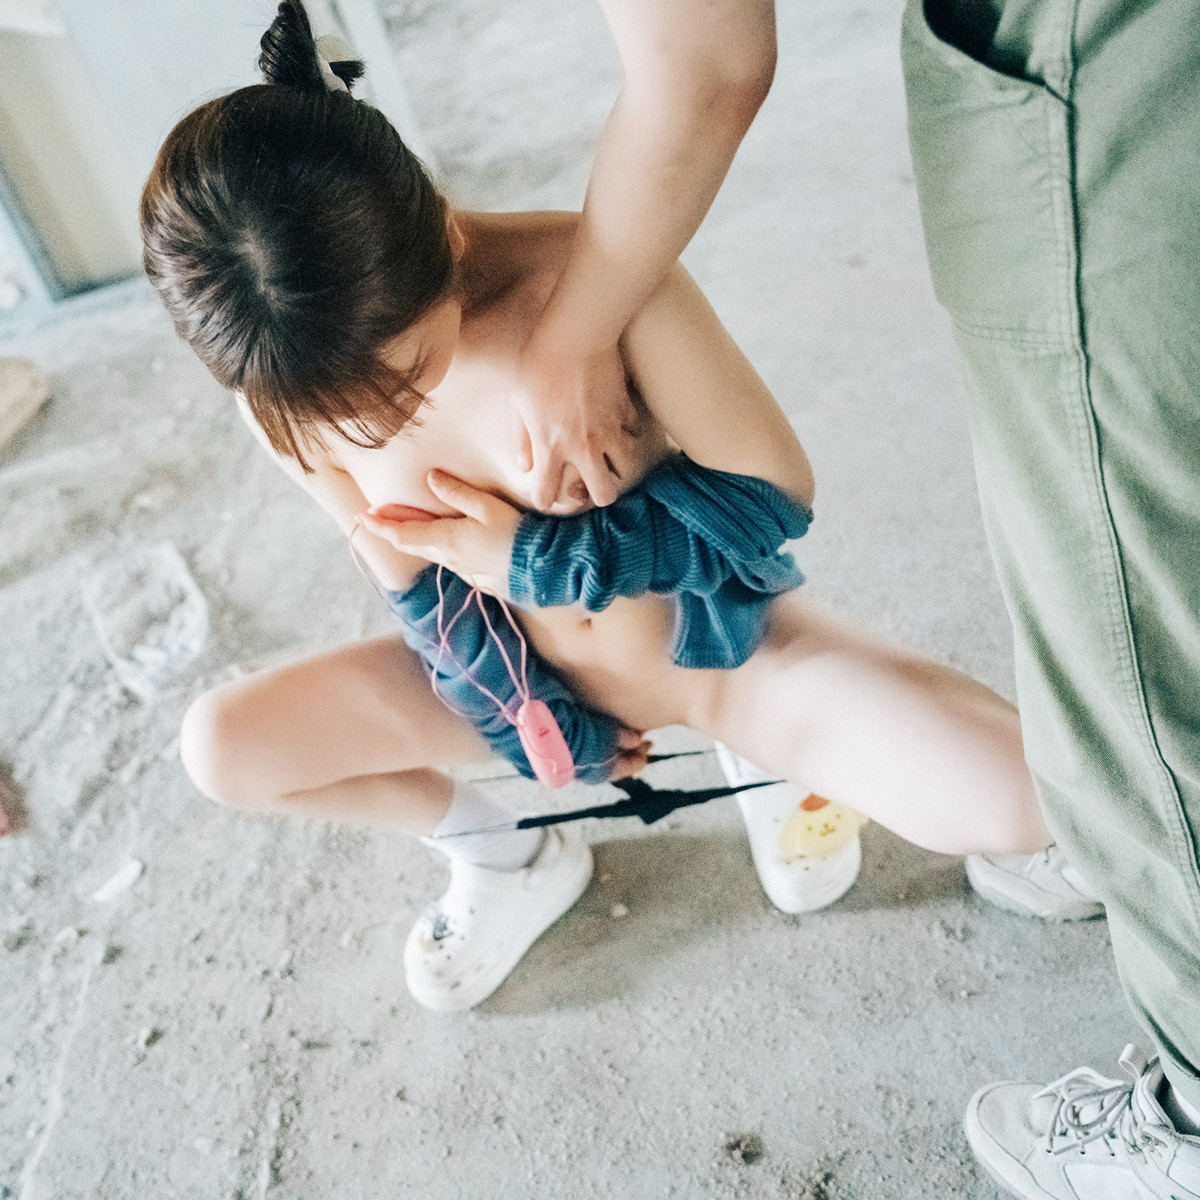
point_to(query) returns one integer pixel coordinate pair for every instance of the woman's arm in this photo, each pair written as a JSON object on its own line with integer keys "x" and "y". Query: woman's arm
{"x": 695, "y": 74}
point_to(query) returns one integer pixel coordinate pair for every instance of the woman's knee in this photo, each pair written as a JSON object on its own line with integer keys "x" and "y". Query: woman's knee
{"x": 214, "y": 750}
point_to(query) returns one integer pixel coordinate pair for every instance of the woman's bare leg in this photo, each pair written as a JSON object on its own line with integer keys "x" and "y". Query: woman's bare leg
{"x": 923, "y": 749}
{"x": 349, "y": 736}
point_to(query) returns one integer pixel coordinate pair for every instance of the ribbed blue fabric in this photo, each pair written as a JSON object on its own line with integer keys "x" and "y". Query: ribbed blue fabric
{"x": 710, "y": 538}
{"x": 474, "y": 655}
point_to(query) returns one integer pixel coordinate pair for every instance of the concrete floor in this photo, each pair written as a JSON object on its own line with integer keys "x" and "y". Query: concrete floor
{"x": 232, "y": 1022}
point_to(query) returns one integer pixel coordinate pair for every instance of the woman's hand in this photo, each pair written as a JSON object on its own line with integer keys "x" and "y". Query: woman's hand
{"x": 477, "y": 545}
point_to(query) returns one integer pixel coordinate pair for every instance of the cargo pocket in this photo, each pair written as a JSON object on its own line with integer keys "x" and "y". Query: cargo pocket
{"x": 992, "y": 161}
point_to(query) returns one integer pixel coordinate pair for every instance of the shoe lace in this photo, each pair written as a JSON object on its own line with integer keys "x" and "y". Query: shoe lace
{"x": 1090, "y": 1108}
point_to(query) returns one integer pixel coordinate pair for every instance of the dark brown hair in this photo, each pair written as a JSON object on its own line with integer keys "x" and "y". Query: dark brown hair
{"x": 292, "y": 235}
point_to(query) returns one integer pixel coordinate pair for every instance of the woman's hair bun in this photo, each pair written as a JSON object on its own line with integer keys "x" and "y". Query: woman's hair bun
{"x": 289, "y": 57}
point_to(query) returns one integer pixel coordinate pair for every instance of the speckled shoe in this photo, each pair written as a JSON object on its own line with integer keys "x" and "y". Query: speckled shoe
{"x": 794, "y": 883}
{"x": 1084, "y": 1137}
{"x": 1041, "y": 885}
{"x": 463, "y": 946}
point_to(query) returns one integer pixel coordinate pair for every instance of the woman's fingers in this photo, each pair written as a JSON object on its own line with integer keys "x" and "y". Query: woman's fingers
{"x": 633, "y": 752}
{"x": 402, "y": 512}
{"x": 475, "y": 542}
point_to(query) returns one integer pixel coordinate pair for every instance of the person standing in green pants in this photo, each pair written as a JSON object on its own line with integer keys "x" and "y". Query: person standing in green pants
{"x": 1056, "y": 149}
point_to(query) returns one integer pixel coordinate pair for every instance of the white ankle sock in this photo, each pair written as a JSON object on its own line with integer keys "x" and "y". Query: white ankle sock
{"x": 470, "y": 808}
{"x": 1183, "y": 1116}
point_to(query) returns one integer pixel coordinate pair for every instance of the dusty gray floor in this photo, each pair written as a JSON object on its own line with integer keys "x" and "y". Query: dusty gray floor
{"x": 233, "y": 1022}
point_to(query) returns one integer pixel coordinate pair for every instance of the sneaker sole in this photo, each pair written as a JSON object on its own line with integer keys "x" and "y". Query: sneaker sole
{"x": 462, "y": 996}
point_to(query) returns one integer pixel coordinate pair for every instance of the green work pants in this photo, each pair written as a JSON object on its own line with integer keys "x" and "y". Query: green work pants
{"x": 1057, "y": 160}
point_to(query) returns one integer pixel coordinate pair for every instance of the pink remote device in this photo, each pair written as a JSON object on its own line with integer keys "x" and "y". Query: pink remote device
{"x": 544, "y": 744}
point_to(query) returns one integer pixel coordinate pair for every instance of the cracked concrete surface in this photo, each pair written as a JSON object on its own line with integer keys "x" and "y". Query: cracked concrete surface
{"x": 230, "y": 1022}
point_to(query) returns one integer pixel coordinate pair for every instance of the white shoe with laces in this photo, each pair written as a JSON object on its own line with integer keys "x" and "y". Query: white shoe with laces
{"x": 794, "y": 883}
{"x": 464, "y": 945}
{"x": 1041, "y": 885}
{"x": 1085, "y": 1137}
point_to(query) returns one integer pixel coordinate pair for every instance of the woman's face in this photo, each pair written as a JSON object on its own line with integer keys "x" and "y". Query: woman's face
{"x": 422, "y": 353}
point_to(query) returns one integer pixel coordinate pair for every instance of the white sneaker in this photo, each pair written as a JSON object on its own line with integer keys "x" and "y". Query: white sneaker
{"x": 1040, "y": 885}
{"x": 793, "y": 883}
{"x": 463, "y": 947}
{"x": 1084, "y": 1137}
